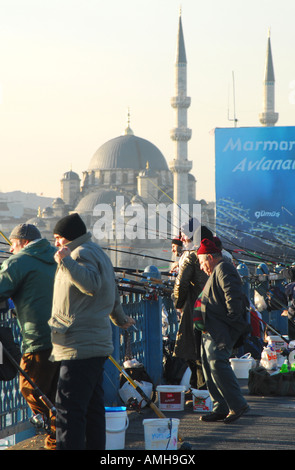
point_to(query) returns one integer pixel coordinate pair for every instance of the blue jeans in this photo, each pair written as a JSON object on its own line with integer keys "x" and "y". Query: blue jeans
{"x": 221, "y": 381}
{"x": 80, "y": 418}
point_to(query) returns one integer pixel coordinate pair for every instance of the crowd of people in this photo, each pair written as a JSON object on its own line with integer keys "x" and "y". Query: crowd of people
{"x": 65, "y": 298}
{"x": 209, "y": 298}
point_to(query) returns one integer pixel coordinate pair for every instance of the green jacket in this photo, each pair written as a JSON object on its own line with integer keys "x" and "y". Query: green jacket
{"x": 27, "y": 278}
{"x": 85, "y": 299}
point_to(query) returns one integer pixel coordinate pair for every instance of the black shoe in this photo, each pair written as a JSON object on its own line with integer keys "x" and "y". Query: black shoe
{"x": 210, "y": 417}
{"x": 234, "y": 415}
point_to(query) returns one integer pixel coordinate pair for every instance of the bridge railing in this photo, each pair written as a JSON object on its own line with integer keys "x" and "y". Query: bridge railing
{"x": 143, "y": 343}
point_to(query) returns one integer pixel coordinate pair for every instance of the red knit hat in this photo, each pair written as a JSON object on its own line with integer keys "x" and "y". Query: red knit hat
{"x": 208, "y": 247}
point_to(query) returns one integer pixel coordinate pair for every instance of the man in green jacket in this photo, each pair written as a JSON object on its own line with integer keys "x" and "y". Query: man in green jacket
{"x": 27, "y": 278}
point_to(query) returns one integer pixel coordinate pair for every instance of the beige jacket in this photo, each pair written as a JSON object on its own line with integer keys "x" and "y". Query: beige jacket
{"x": 85, "y": 298}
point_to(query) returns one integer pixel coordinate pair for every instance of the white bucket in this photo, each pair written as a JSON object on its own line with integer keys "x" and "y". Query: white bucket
{"x": 171, "y": 397}
{"x": 202, "y": 402}
{"x": 116, "y": 424}
{"x": 161, "y": 434}
{"x": 242, "y": 365}
{"x": 127, "y": 391}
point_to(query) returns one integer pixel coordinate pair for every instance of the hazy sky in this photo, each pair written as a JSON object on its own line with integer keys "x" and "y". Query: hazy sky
{"x": 69, "y": 70}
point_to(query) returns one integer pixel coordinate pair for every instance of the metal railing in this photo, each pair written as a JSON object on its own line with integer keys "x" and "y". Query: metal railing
{"x": 143, "y": 343}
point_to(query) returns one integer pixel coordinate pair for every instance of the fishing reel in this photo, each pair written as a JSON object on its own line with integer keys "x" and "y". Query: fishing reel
{"x": 133, "y": 405}
{"x": 39, "y": 422}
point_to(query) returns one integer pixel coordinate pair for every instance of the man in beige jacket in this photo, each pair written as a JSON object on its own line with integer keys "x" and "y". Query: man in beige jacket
{"x": 85, "y": 298}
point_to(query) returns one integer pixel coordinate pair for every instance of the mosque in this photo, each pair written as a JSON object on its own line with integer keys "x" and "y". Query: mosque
{"x": 128, "y": 172}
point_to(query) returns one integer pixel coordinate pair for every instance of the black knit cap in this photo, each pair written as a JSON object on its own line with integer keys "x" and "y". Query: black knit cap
{"x": 177, "y": 241}
{"x": 70, "y": 227}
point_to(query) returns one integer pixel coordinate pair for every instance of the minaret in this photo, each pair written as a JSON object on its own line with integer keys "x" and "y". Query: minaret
{"x": 268, "y": 117}
{"x": 180, "y": 134}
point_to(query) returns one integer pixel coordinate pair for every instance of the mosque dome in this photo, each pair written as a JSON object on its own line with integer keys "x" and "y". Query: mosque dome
{"x": 37, "y": 221}
{"x": 128, "y": 152}
{"x": 57, "y": 202}
{"x": 88, "y": 202}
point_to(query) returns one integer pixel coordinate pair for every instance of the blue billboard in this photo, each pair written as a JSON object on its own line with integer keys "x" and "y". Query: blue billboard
{"x": 255, "y": 189}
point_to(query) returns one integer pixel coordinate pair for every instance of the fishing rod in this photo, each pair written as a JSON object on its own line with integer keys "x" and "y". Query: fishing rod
{"x": 137, "y": 254}
{"x": 160, "y": 288}
{"x": 138, "y": 272}
{"x": 148, "y": 278}
{"x": 151, "y": 292}
{"x": 149, "y": 402}
{"x": 42, "y": 397}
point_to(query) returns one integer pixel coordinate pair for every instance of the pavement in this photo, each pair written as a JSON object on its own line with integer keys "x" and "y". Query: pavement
{"x": 269, "y": 425}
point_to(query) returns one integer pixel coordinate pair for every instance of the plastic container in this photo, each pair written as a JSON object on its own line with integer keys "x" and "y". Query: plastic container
{"x": 186, "y": 378}
{"x": 202, "y": 402}
{"x": 241, "y": 366}
{"x": 161, "y": 434}
{"x": 171, "y": 397}
{"x": 277, "y": 343}
{"x": 127, "y": 391}
{"x": 116, "y": 424}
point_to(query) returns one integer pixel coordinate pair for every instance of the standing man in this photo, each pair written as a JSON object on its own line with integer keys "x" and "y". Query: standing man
{"x": 224, "y": 323}
{"x": 85, "y": 299}
{"x": 176, "y": 248}
{"x": 27, "y": 277}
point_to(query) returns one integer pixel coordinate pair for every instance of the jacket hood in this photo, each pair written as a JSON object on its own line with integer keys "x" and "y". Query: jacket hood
{"x": 41, "y": 250}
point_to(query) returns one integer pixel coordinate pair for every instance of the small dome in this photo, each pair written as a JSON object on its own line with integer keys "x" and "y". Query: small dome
{"x": 148, "y": 172}
{"x": 71, "y": 175}
{"x": 58, "y": 202}
{"x": 37, "y": 221}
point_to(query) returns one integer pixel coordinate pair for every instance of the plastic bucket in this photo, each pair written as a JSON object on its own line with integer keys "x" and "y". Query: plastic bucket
{"x": 161, "y": 434}
{"x": 116, "y": 424}
{"x": 171, "y": 397}
{"x": 202, "y": 402}
{"x": 241, "y": 366}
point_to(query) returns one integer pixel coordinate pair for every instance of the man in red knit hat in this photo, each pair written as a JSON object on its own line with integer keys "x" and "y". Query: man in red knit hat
{"x": 222, "y": 309}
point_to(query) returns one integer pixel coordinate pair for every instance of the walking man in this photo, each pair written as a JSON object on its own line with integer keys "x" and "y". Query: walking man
{"x": 224, "y": 323}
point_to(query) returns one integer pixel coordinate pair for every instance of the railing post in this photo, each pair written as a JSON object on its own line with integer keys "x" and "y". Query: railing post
{"x": 154, "y": 346}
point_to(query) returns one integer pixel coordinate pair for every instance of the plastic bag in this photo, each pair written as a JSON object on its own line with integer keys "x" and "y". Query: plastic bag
{"x": 269, "y": 359}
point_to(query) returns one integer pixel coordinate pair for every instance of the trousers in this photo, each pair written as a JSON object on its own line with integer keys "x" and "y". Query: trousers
{"x": 221, "y": 381}
{"x": 44, "y": 374}
{"x": 80, "y": 418}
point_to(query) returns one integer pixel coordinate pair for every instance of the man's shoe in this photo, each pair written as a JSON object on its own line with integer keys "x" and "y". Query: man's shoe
{"x": 234, "y": 415}
{"x": 211, "y": 417}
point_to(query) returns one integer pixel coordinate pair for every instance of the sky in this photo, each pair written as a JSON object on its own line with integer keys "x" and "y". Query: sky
{"x": 70, "y": 69}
